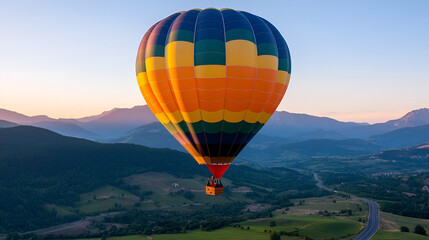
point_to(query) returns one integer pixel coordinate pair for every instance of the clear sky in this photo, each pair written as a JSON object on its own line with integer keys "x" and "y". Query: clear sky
{"x": 351, "y": 60}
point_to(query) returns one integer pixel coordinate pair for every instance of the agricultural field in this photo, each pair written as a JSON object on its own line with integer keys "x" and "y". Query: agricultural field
{"x": 391, "y": 225}
{"x": 385, "y": 235}
{"x": 391, "y": 222}
{"x": 161, "y": 184}
{"x": 316, "y": 227}
{"x": 305, "y": 217}
{"x": 155, "y": 191}
{"x": 224, "y": 234}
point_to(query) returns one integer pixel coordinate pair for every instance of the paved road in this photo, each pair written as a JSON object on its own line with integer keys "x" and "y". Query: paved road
{"x": 373, "y": 221}
{"x": 373, "y": 216}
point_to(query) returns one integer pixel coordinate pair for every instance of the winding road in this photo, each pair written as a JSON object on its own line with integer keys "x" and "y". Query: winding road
{"x": 373, "y": 216}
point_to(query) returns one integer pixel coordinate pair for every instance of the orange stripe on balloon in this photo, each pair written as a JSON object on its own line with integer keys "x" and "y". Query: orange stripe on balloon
{"x": 256, "y": 107}
{"x": 240, "y": 83}
{"x": 210, "y": 83}
{"x": 261, "y": 97}
{"x": 240, "y": 72}
{"x": 181, "y": 73}
{"x": 237, "y": 100}
{"x": 188, "y": 106}
{"x": 212, "y": 106}
{"x": 183, "y": 84}
{"x": 267, "y": 74}
{"x": 151, "y": 99}
{"x": 211, "y": 94}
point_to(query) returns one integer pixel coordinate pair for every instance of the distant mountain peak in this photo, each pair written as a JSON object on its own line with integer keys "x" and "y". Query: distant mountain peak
{"x": 19, "y": 118}
{"x": 414, "y": 118}
{"x": 113, "y": 111}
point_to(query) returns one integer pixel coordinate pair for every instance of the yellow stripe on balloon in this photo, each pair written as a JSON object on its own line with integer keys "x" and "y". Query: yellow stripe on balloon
{"x": 180, "y": 54}
{"x": 264, "y": 117}
{"x": 241, "y": 53}
{"x": 175, "y": 117}
{"x": 210, "y": 71}
{"x": 282, "y": 77}
{"x": 155, "y": 63}
{"x": 192, "y": 117}
{"x": 234, "y": 117}
{"x": 212, "y": 117}
{"x": 162, "y": 117}
{"x": 251, "y": 117}
{"x": 287, "y": 81}
{"x": 142, "y": 79}
{"x": 268, "y": 61}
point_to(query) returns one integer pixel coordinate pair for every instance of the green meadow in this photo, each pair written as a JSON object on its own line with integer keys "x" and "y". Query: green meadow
{"x": 384, "y": 235}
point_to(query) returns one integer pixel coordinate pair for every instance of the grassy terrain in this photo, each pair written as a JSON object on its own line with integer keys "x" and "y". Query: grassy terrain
{"x": 161, "y": 185}
{"x": 61, "y": 211}
{"x": 316, "y": 227}
{"x": 312, "y": 226}
{"x": 224, "y": 234}
{"x": 384, "y": 235}
{"x": 305, "y": 217}
{"x": 311, "y": 206}
{"x": 105, "y": 198}
{"x": 393, "y": 222}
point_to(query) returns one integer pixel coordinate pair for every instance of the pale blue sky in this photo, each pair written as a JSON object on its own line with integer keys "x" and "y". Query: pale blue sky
{"x": 351, "y": 60}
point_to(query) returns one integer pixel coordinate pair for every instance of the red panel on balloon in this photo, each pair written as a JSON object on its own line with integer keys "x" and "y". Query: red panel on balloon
{"x": 217, "y": 170}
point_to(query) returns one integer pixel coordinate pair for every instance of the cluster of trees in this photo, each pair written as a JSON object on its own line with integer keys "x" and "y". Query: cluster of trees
{"x": 277, "y": 235}
{"x": 186, "y": 194}
{"x": 419, "y": 229}
{"x": 160, "y": 222}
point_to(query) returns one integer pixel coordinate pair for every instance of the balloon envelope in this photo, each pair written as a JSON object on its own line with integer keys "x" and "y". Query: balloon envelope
{"x": 213, "y": 78}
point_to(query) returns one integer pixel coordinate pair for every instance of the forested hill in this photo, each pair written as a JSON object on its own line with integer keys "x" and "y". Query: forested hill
{"x": 38, "y": 166}
{"x": 31, "y": 151}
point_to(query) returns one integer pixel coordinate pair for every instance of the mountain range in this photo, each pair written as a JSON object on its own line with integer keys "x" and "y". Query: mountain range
{"x": 284, "y": 132}
{"x": 108, "y": 124}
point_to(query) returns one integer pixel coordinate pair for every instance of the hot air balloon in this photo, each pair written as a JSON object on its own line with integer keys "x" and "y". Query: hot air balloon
{"x": 213, "y": 78}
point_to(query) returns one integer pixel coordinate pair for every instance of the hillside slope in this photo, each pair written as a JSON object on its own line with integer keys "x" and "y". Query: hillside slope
{"x": 404, "y": 137}
{"x": 7, "y": 124}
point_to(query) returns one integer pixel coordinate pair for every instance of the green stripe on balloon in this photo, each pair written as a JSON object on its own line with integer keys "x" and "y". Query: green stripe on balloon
{"x": 240, "y": 34}
{"x": 181, "y": 35}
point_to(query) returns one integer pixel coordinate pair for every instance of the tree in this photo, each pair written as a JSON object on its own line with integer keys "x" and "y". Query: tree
{"x": 349, "y": 212}
{"x": 404, "y": 229}
{"x": 273, "y": 223}
{"x": 275, "y": 236}
{"x": 420, "y": 230}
